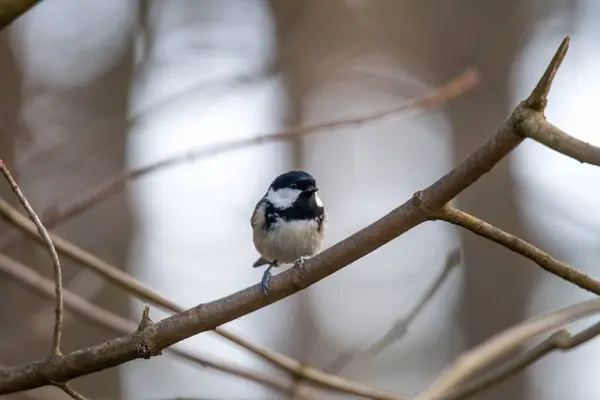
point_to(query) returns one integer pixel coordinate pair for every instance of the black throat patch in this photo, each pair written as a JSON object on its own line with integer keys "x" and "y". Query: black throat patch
{"x": 304, "y": 208}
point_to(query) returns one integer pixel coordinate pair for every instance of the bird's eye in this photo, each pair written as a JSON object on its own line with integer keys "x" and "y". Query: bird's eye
{"x": 294, "y": 186}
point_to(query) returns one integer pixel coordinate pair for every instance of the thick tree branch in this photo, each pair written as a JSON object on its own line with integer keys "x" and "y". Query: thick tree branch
{"x": 134, "y": 287}
{"x": 43, "y": 234}
{"x": 502, "y": 344}
{"x": 561, "y": 340}
{"x": 96, "y": 315}
{"x": 519, "y": 246}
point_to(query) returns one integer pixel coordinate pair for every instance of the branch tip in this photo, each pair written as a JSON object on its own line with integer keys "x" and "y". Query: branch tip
{"x": 145, "y": 322}
{"x": 538, "y": 98}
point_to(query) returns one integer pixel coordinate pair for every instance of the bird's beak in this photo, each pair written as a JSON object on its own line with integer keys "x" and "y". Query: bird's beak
{"x": 312, "y": 189}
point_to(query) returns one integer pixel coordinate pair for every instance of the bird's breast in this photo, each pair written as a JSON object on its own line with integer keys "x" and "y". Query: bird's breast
{"x": 286, "y": 241}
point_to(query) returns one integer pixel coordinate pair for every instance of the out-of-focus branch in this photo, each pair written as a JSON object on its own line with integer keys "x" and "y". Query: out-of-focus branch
{"x": 561, "y": 340}
{"x": 87, "y": 311}
{"x": 519, "y": 246}
{"x": 400, "y": 327}
{"x": 504, "y": 343}
{"x": 53, "y": 256}
{"x": 96, "y": 194}
{"x": 13, "y": 9}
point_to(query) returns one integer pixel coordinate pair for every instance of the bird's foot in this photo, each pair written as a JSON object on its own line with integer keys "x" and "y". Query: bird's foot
{"x": 264, "y": 282}
{"x": 299, "y": 263}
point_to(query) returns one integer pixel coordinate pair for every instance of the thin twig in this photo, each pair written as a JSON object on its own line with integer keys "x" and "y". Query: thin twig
{"x": 87, "y": 311}
{"x": 400, "y": 327}
{"x": 96, "y": 194}
{"x": 561, "y": 340}
{"x": 70, "y": 391}
{"x": 498, "y": 346}
{"x": 519, "y": 246}
{"x": 544, "y": 132}
{"x": 53, "y": 255}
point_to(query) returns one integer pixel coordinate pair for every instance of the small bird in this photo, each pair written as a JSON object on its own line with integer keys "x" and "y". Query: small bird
{"x": 288, "y": 223}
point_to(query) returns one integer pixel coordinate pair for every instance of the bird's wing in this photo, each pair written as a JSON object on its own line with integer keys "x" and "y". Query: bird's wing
{"x": 258, "y": 215}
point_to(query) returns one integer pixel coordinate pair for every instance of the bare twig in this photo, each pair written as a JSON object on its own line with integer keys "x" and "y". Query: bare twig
{"x": 53, "y": 255}
{"x": 549, "y": 135}
{"x": 518, "y": 245}
{"x": 560, "y": 340}
{"x": 400, "y": 328}
{"x": 96, "y": 315}
{"x": 96, "y": 194}
{"x": 69, "y": 390}
{"x": 502, "y": 344}
{"x": 10, "y": 10}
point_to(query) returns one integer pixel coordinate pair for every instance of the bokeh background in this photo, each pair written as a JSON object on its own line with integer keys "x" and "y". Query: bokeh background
{"x": 92, "y": 87}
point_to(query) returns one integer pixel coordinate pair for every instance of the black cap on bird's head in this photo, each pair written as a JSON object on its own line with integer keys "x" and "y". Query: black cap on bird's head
{"x": 299, "y": 180}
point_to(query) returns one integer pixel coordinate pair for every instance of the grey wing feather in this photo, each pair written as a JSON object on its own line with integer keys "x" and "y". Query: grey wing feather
{"x": 257, "y": 217}
{"x": 257, "y": 220}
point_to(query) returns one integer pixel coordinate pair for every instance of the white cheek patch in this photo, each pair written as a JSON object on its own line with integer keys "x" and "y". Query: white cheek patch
{"x": 283, "y": 198}
{"x": 318, "y": 200}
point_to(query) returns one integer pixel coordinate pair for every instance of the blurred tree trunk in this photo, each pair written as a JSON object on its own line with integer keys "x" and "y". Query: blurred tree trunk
{"x": 59, "y": 140}
{"x": 498, "y": 282}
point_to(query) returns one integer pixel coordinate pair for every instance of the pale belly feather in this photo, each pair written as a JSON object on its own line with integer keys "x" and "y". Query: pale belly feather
{"x": 288, "y": 242}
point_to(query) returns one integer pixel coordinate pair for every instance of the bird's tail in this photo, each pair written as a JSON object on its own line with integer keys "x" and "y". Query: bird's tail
{"x": 260, "y": 262}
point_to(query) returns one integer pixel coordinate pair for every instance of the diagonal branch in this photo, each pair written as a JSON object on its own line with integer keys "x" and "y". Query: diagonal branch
{"x": 542, "y": 131}
{"x": 131, "y": 285}
{"x": 561, "y": 340}
{"x": 519, "y": 246}
{"x": 503, "y": 343}
{"x": 96, "y": 315}
{"x": 43, "y": 234}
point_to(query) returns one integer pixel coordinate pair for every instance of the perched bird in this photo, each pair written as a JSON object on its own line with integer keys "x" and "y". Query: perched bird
{"x": 288, "y": 223}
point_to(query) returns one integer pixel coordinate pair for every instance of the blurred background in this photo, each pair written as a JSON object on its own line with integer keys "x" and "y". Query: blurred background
{"x": 93, "y": 87}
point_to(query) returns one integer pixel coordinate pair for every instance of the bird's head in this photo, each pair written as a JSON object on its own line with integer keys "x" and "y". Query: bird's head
{"x": 287, "y": 188}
